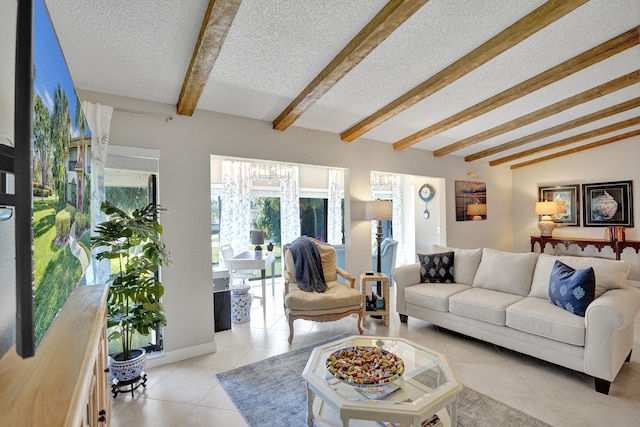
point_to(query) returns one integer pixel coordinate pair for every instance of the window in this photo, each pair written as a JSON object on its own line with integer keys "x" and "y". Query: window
{"x": 316, "y": 191}
{"x": 128, "y": 186}
{"x": 265, "y": 215}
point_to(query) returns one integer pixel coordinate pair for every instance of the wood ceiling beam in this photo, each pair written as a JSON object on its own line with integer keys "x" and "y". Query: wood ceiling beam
{"x": 546, "y": 14}
{"x": 390, "y": 17}
{"x": 605, "y": 50}
{"x": 548, "y": 111}
{"x": 567, "y": 141}
{"x": 607, "y": 112}
{"x": 215, "y": 27}
{"x": 578, "y": 149}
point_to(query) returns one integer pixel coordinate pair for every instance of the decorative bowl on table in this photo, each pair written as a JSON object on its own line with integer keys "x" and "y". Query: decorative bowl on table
{"x": 365, "y": 365}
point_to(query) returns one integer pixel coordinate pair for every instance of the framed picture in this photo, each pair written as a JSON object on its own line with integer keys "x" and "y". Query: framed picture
{"x": 471, "y": 200}
{"x": 608, "y": 203}
{"x": 570, "y": 195}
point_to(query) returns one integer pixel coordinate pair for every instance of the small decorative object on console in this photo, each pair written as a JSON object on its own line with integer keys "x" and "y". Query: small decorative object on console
{"x": 371, "y": 302}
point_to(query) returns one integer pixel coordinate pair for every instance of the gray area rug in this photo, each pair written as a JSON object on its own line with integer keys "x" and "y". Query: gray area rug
{"x": 272, "y": 393}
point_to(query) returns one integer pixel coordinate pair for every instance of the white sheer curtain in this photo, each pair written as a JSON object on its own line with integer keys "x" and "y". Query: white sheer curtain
{"x": 289, "y": 205}
{"x": 388, "y": 186}
{"x": 99, "y": 120}
{"x": 336, "y": 194}
{"x": 398, "y": 232}
{"x": 235, "y": 215}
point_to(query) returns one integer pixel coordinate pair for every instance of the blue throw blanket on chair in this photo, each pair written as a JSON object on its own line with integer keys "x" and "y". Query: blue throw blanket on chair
{"x": 308, "y": 265}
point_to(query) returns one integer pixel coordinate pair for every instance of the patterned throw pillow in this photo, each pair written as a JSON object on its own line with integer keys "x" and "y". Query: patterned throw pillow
{"x": 436, "y": 268}
{"x": 572, "y": 289}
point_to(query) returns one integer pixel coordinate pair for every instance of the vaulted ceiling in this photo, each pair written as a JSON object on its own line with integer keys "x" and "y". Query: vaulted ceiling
{"x": 509, "y": 82}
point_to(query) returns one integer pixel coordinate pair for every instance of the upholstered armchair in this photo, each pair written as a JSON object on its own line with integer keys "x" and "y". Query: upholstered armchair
{"x": 388, "y": 252}
{"x": 337, "y": 301}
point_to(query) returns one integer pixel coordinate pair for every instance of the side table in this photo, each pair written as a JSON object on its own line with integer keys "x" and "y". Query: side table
{"x": 384, "y": 312}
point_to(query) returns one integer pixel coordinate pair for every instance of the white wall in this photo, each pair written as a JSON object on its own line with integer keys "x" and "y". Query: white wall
{"x": 614, "y": 162}
{"x": 8, "y": 11}
{"x": 7, "y": 228}
{"x": 186, "y": 144}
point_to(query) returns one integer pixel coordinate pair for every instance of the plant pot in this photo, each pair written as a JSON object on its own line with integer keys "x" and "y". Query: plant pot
{"x": 127, "y": 370}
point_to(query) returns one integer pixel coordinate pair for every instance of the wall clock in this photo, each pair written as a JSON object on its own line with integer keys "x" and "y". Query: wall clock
{"x": 426, "y": 192}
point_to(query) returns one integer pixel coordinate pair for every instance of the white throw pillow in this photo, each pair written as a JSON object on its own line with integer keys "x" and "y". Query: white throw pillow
{"x": 506, "y": 271}
{"x": 541, "y": 276}
{"x": 610, "y": 273}
{"x": 465, "y": 262}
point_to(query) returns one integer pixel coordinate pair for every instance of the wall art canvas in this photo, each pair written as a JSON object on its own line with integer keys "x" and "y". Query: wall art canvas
{"x": 608, "y": 203}
{"x": 570, "y": 195}
{"x": 470, "y": 192}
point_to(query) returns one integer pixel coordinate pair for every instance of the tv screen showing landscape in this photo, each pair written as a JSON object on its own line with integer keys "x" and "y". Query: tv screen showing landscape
{"x": 60, "y": 182}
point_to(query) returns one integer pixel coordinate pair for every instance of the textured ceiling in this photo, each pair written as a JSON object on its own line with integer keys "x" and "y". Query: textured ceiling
{"x": 275, "y": 48}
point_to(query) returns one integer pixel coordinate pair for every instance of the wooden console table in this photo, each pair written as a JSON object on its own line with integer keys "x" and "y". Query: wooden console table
{"x": 66, "y": 383}
{"x": 616, "y": 246}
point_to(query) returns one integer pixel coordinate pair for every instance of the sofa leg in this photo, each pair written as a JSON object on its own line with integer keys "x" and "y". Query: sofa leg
{"x": 602, "y": 386}
{"x": 404, "y": 318}
{"x": 628, "y": 359}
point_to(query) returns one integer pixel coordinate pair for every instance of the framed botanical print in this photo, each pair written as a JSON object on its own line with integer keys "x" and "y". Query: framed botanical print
{"x": 570, "y": 195}
{"x": 608, "y": 203}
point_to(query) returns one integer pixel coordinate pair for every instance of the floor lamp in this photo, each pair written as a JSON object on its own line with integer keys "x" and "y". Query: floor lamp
{"x": 379, "y": 210}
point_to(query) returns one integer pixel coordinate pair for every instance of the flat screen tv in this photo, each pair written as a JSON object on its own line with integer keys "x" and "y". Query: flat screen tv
{"x": 51, "y": 178}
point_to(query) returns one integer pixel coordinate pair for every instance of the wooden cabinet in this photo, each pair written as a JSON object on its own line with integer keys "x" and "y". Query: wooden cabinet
{"x": 67, "y": 382}
{"x": 616, "y": 246}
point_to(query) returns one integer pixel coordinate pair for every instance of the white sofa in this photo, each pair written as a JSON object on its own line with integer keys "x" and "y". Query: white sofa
{"x": 503, "y": 298}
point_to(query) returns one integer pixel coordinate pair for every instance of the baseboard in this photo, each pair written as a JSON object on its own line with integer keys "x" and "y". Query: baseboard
{"x": 182, "y": 354}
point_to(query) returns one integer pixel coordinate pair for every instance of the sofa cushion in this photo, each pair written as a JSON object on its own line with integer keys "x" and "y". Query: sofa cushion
{"x": 466, "y": 262}
{"x": 433, "y": 295}
{"x": 610, "y": 273}
{"x": 483, "y": 304}
{"x": 436, "y": 268}
{"x": 328, "y": 257}
{"x": 337, "y": 296}
{"x": 506, "y": 271}
{"x": 570, "y": 289}
{"x": 536, "y": 316}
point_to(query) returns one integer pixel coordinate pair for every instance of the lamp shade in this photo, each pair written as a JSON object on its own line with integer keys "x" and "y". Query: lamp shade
{"x": 476, "y": 209}
{"x": 379, "y": 210}
{"x": 257, "y": 237}
{"x": 550, "y": 208}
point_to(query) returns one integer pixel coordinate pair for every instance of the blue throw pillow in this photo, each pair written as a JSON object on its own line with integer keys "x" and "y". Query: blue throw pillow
{"x": 572, "y": 289}
{"x": 436, "y": 268}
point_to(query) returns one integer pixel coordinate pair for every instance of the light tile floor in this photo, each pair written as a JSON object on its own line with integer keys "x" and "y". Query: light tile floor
{"x": 187, "y": 393}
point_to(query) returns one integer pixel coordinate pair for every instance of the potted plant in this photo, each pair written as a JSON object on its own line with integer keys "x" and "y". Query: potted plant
{"x": 131, "y": 242}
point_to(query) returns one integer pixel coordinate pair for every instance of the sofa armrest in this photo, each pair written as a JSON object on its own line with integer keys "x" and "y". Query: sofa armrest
{"x": 404, "y": 276}
{"x": 348, "y": 277}
{"x": 609, "y": 321}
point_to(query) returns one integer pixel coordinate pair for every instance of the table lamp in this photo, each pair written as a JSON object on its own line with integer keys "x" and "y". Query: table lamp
{"x": 257, "y": 238}
{"x": 379, "y": 210}
{"x": 546, "y": 209}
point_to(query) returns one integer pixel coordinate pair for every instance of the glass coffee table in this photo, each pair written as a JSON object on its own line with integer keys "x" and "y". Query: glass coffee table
{"x": 427, "y": 386}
